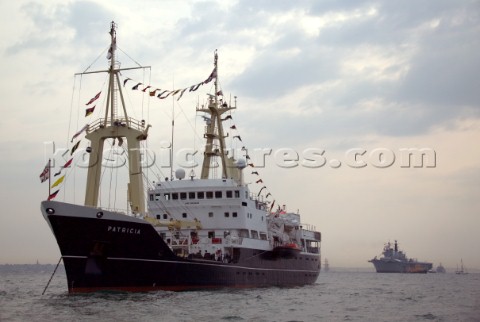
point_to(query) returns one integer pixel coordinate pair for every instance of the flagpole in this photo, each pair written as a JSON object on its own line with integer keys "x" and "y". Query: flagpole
{"x": 49, "y": 175}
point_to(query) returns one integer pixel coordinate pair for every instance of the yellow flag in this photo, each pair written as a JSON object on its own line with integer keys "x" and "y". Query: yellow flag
{"x": 59, "y": 181}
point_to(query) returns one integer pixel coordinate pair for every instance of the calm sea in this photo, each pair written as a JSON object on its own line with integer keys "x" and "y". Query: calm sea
{"x": 337, "y": 296}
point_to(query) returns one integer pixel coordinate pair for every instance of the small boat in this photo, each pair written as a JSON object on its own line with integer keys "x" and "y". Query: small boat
{"x": 462, "y": 269}
{"x": 396, "y": 261}
{"x": 326, "y": 266}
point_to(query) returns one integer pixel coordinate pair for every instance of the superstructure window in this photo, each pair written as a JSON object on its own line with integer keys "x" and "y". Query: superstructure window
{"x": 263, "y": 236}
{"x": 175, "y": 196}
{"x": 210, "y": 214}
{"x": 184, "y": 215}
{"x": 165, "y": 216}
{"x": 243, "y": 233}
{"x": 200, "y": 195}
{"x": 157, "y": 197}
{"x": 209, "y": 194}
{"x": 159, "y": 217}
{"x": 166, "y": 196}
{"x": 218, "y": 194}
{"x": 151, "y": 197}
{"x": 237, "y": 194}
{"x": 234, "y": 214}
{"x": 227, "y": 214}
{"x": 229, "y": 194}
{"x": 183, "y": 195}
{"x": 191, "y": 195}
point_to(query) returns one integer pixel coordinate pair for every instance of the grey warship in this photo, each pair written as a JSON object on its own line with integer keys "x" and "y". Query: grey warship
{"x": 395, "y": 261}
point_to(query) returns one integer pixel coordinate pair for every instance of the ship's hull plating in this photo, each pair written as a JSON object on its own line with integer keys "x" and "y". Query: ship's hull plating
{"x": 108, "y": 251}
{"x": 395, "y": 266}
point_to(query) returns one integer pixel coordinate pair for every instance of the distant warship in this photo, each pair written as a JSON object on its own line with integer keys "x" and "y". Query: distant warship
{"x": 395, "y": 261}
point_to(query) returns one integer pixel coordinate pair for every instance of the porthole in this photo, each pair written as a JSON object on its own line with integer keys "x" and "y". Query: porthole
{"x": 100, "y": 214}
{"x": 50, "y": 211}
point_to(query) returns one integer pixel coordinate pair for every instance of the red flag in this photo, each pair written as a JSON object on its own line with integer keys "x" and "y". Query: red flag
{"x": 53, "y": 195}
{"x": 94, "y": 98}
{"x": 45, "y": 173}
{"x": 69, "y": 162}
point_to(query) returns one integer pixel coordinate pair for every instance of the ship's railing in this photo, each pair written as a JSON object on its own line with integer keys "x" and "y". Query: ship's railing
{"x": 120, "y": 122}
{"x": 308, "y": 227}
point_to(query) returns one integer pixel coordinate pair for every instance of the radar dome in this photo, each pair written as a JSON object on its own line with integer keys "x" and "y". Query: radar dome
{"x": 241, "y": 163}
{"x": 180, "y": 174}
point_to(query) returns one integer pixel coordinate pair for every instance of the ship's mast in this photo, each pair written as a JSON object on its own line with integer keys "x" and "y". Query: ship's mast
{"x": 214, "y": 134}
{"x": 114, "y": 125}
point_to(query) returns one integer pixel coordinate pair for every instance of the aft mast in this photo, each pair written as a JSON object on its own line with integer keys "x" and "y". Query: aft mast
{"x": 114, "y": 125}
{"x": 215, "y": 135}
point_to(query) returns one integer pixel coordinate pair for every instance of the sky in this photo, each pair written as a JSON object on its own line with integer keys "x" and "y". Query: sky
{"x": 316, "y": 82}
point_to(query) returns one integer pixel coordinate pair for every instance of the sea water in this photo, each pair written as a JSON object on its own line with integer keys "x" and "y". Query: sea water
{"x": 336, "y": 296}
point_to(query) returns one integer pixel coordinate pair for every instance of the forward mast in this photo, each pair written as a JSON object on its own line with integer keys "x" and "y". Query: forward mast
{"x": 120, "y": 127}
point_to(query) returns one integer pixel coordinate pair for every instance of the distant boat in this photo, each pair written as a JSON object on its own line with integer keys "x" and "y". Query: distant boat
{"x": 396, "y": 261}
{"x": 440, "y": 269}
{"x": 326, "y": 267}
{"x": 462, "y": 269}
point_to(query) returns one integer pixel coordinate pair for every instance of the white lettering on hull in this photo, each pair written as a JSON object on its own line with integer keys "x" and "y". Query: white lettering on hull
{"x": 124, "y": 230}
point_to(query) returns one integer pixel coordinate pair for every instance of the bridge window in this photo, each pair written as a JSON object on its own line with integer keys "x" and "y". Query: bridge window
{"x": 263, "y": 236}
{"x": 191, "y": 195}
{"x": 200, "y": 195}
{"x": 166, "y": 196}
{"x": 254, "y": 234}
{"x": 229, "y": 194}
{"x": 175, "y": 196}
{"x": 183, "y": 195}
{"x": 209, "y": 194}
{"x": 218, "y": 194}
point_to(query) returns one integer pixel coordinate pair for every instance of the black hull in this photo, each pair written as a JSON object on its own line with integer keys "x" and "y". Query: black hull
{"x": 127, "y": 254}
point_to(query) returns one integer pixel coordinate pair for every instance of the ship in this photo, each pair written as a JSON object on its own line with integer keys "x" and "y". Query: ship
{"x": 396, "y": 261}
{"x": 180, "y": 233}
{"x": 440, "y": 269}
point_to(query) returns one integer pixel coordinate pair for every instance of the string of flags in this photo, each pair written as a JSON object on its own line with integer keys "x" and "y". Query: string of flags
{"x": 162, "y": 93}
{"x": 250, "y": 164}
